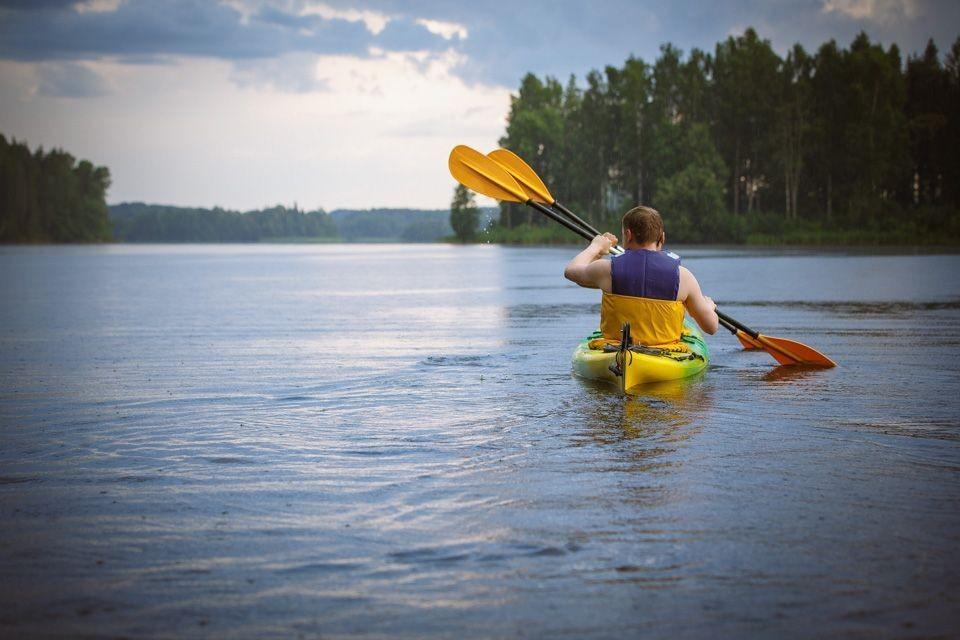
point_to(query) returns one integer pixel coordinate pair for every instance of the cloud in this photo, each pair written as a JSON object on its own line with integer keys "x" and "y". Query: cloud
{"x": 291, "y": 73}
{"x": 231, "y": 31}
{"x": 97, "y": 6}
{"x": 35, "y": 5}
{"x": 882, "y": 11}
{"x": 446, "y": 30}
{"x": 70, "y": 80}
{"x": 374, "y": 21}
{"x": 546, "y": 37}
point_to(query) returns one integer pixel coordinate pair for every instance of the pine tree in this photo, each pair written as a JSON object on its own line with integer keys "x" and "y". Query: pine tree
{"x": 464, "y": 214}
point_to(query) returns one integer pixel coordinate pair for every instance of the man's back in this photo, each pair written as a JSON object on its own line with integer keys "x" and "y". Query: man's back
{"x": 645, "y": 274}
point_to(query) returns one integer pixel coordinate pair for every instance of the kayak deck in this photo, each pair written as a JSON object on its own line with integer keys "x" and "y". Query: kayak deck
{"x": 642, "y": 366}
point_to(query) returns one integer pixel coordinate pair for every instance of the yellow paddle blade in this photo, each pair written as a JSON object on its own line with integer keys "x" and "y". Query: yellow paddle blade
{"x": 792, "y": 352}
{"x": 524, "y": 175}
{"x": 476, "y": 171}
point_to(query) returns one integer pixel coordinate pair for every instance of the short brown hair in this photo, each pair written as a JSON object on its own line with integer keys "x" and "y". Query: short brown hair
{"x": 644, "y": 223}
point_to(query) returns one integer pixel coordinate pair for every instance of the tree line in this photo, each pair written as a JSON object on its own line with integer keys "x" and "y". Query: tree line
{"x": 140, "y": 222}
{"x": 50, "y": 197}
{"x": 841, "y": 144}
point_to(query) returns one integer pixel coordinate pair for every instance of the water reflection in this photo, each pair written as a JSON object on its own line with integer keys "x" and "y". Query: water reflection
{"x": 794, "y": 373}
{"x": 658, "y": 412}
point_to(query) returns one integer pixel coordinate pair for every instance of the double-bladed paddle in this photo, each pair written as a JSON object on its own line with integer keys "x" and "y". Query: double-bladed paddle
{"x": 505, "y": 176}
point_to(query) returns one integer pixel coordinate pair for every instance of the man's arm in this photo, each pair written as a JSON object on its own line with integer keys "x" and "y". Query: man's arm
{"x": 587, "y": 269}
{"x": 700, "y": 307}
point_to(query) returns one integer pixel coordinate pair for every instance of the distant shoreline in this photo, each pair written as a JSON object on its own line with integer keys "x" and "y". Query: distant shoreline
{"x": 891, "y": 249}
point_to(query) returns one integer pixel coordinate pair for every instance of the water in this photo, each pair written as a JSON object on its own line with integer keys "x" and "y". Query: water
{"x": 386, "y": 441}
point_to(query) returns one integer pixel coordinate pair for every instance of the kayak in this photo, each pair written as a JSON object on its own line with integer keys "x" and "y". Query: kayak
{"x": 641, "y": 365}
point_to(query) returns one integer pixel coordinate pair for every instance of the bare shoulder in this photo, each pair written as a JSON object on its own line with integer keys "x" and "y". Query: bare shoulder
{"x": 688, "y": 284}
{"x": 600, "y": 277}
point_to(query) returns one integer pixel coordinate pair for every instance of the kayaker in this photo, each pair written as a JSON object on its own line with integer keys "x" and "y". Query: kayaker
{"x": 644, "y": 286}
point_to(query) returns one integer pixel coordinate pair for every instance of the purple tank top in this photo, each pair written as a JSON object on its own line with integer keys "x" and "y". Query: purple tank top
{"x": 646, "y": 274}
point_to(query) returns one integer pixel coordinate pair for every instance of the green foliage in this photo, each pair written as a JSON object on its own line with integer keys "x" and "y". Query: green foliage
{"x": 464, "y": 214}
{"x": 139, "y": 222}
{"x": 694, "y": 195}
{"x": 392, "y": 225}
{"x": 841, "y": 144}
{"x": 50, "y": 197}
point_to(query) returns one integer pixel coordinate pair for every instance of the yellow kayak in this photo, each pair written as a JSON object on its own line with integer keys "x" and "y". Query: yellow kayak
{"x": 641, "y": 365}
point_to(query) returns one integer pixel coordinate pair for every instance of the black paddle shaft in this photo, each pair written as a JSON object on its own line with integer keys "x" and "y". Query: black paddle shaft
{"x": 556, "y": 217}
{"x": 730, "y": 322}
{"x": 726, "y": 325}
{"x": 583, "y": 223}
{"x": 584, "y": 232}
{"x": 570, "y": 214}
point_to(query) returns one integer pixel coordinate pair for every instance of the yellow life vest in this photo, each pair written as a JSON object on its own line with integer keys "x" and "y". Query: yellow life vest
{"x": 653, "y": 323}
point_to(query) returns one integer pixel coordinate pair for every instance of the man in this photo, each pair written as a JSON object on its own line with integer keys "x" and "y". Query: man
{"x": 644, "y": 286}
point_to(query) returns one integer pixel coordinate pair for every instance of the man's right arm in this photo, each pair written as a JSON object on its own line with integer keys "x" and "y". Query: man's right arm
{"x": 587, "y": 269}
{"x": 700, "y": 307}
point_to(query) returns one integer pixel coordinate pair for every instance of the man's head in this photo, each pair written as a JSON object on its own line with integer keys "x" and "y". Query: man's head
{"x": 643, "y": 226}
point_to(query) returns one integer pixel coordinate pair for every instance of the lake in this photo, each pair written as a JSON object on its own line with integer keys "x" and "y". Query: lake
{"x": 387, "y": 441}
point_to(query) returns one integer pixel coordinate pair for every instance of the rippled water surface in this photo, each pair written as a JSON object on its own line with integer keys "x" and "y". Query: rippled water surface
{"x": 386, "y": 441}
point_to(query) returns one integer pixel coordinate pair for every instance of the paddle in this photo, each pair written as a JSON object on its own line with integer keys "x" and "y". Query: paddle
{"x": 534, "y": 187}
{"x": 476, "y": 171}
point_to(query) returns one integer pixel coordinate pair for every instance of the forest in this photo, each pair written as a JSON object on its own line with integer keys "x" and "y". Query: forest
{"x": 838, "y": 146}
{"x": 50, "y": 197}
{"x": 139, "y": 222}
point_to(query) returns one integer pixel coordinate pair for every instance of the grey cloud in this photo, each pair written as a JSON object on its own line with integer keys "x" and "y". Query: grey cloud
{"x": 35, "y": 5}
{"x": 70, "y": 80}
{"x": 180, "y": 27}
{"x": 293, "y": 73}
{"x": 557, "y": 37}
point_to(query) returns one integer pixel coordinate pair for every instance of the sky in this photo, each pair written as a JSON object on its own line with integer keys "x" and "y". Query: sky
{"x": 347, "y": 103}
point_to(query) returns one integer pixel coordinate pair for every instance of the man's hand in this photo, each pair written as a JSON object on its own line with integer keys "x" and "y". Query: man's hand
{"x": 587, "y": 269}
{"x": 604, "y": 243}
{"x": 710, "y": 303}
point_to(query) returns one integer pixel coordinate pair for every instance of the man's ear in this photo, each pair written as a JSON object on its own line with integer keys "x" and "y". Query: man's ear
{"x": 663, "y": 240}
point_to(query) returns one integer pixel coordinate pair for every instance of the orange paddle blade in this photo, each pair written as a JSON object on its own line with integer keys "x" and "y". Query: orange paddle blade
{"x": 524, "y": 174}
{"x": 792, "y": 352}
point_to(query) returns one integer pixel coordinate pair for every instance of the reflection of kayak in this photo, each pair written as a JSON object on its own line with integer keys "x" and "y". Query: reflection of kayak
{"x": 641, "y": 365}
